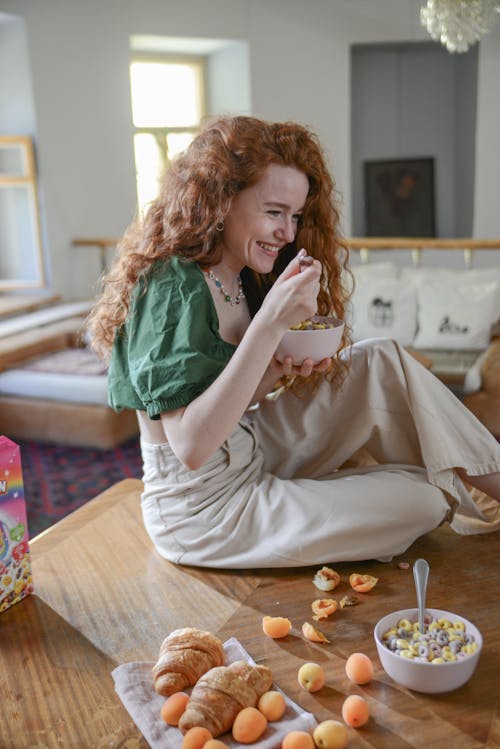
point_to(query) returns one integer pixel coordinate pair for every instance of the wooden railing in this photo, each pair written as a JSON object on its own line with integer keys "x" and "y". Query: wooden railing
{"x": 103, "y": 244}
{"x": 363, "y": 245}
{"x": 417, "y": 245}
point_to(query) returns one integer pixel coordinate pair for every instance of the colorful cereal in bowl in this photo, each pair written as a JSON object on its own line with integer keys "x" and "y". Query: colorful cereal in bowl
{"x": 315, "y": 338}
{"x": 441, "y": 659}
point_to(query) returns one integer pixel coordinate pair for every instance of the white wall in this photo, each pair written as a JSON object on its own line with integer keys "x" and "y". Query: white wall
{"x": 228, "y": 80}
{"x": 487, "y": 194}
{"x": 17, "y": 114}
{"x": 299, "y": 69}
{"x": 414, "y": 101}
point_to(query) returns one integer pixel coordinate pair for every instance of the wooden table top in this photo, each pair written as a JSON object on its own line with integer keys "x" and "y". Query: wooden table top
{"x": 103, "y": 596}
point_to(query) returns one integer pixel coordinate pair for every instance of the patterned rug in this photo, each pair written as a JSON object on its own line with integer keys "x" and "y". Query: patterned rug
{"x": 58, "y": 480}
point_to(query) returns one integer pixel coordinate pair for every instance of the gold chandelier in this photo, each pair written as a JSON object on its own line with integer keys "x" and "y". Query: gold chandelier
{"x": 458, "y": 24}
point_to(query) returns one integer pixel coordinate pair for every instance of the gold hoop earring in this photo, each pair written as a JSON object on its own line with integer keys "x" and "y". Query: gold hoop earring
{"x": 219, "y": 226}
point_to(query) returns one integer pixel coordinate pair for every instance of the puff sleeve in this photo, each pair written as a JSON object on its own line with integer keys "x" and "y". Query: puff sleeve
{"x": 169, "y": 350}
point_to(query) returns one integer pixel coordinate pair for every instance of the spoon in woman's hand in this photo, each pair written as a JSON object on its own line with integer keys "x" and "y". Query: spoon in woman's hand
{"x": 305, "y": 260}
{"x": 421, "y": 576}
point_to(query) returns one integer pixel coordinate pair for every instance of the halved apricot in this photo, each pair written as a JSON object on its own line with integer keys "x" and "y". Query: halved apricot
{"x": 362, "y": 583}
{"x": 326, "y": 579}
{"x": 313, "y": 634}
{"x": 323, "y": 608}
{"x": 276, "y": 626}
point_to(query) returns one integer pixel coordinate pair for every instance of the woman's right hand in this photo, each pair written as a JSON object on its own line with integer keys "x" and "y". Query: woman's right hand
{"x": 293, "y": 296}
{"x": 197, "y": 430}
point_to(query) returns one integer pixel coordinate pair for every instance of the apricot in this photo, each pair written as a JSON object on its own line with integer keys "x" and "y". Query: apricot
{"x": 272, "y": 704}
{"x": 359, "y": 668}
{"x": 276, "y": 626}
{"x": 173, "y": 708}
{"x": 215, "y": 744}
{"x": 355, "y": 711}
{"x": 311, "y": 676}
{"x": 330, "y": 734}
{"x": 298, "y": 740}
{"x": 196, "y": 738}
{"x": 313, "y": 634}
{"x": 322, "y": 608}
{"x": 362, "y": 583}
{"x": 326, "y": 579}
{"x": 249, "y": 725}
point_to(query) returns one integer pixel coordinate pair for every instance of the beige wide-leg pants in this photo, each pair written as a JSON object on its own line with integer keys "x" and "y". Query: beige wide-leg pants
{"x": 275, "y": 495}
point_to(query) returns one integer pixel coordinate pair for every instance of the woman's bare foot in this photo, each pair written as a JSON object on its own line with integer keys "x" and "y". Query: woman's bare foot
{"x": 489, "y": 483}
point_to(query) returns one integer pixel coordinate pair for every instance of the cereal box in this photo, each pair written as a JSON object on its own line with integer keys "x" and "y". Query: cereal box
{"x": 15, "y": 567}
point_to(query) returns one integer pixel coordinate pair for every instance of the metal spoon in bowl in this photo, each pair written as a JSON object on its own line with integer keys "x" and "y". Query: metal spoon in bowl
{"x": 421, "y": 576}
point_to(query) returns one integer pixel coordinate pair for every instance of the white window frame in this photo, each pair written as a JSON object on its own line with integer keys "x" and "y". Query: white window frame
{"x": 160, "y": 133}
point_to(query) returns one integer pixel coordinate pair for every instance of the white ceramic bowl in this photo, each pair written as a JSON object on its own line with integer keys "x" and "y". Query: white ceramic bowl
{"x": 311, "y": 344}
{"x": 431, "y": 678}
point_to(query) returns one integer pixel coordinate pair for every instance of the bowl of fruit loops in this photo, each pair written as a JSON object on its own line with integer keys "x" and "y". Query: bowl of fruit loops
{"x": 316, "y": 338}
{"x": 441, "y": 658}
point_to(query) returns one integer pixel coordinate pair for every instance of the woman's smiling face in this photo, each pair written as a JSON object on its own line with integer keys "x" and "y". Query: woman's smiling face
{"x": 263, "y": 219}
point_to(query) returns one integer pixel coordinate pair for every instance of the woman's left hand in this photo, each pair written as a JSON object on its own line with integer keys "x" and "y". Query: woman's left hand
{"x": 277, "y": 369}
{"x": 308, "y": 366}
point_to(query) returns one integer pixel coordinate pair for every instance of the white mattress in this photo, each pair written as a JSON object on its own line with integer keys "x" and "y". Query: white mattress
{"x": 69, "y": 388}
{"x": 19, "y": 323}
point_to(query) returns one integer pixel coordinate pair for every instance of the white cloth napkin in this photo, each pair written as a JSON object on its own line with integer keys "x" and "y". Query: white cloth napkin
{"x": 134, "y": 686}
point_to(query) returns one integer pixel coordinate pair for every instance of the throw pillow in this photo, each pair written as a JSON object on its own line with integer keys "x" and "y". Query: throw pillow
{"x": 383, "y": 307}
{"x": 455, "y": 313}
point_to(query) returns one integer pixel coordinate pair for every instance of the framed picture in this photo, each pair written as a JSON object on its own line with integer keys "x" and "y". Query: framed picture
{"x": 399, "y": 198}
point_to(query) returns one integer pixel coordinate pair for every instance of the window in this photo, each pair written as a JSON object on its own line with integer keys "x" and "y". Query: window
{"x": 21, "y": 261}
{"x": 167, "y": 109}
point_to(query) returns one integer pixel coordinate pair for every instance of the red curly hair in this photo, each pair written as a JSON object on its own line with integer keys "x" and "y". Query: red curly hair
{"x": 229, "y": 155}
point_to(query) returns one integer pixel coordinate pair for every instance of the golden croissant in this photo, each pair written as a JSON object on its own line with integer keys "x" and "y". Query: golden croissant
{"x": 221, "y": 693}
{"x": 185, "y": 655}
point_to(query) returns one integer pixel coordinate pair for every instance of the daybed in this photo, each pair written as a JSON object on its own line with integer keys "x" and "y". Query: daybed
{"x": 53, "y": 389}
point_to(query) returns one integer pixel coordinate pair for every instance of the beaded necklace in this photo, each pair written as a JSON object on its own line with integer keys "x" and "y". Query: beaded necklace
{"x": 227, "y": 296}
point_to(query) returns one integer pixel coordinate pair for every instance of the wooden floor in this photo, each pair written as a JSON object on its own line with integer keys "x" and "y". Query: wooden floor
{"x": 104, "y": 597}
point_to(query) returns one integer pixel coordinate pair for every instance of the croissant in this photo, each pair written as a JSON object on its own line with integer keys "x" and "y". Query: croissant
{"x": 221, "y": 693}
{"x": 185, "y": 655}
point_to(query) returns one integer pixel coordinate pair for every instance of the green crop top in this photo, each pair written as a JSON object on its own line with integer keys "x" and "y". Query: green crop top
{"x": 169, "y": 350}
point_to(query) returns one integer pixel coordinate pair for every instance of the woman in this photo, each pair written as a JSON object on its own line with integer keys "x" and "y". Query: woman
{"x": 191, "y": 314}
